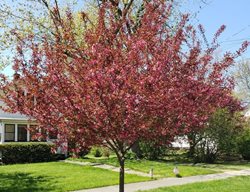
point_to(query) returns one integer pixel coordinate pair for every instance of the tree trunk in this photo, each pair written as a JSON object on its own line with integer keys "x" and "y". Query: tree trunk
{"x": 136, "y": 149}
{"x": 192, "y": 138}
{"x": 121, "y": 183}
{"x": 191, "y": 151}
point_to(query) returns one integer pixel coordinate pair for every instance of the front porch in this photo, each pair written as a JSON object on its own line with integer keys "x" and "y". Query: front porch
{"x": 16, "y": 131}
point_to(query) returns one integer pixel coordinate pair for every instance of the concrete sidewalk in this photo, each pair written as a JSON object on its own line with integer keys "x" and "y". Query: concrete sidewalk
{"x": 109, "y": 167}
{"x": 167, "y": 182}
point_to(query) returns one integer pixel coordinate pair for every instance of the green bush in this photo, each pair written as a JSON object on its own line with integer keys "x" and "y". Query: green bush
{"x": 152, "y": 150}
{"x": 57, "y": 157}
{"x": 82, "y": 153}
{"x": 106, "y": 152}
{"x": 96, "y": 151}
{"x": 29, "y": 152}
{"x": 81, "y": 150}
{"x": 245, "y": 149}
{"x": 131, "y": 155}
{"x": 244, "y": 144}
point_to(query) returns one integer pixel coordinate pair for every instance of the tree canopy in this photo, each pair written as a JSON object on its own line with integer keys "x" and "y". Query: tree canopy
{"x": 132, "y": 78}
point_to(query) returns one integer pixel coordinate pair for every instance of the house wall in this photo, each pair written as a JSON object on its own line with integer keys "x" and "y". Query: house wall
{"x": 1, "y": 133}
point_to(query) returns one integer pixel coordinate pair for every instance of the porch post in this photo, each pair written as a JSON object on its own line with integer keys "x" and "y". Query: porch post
{"x": 28, "y": 132}
{"x": 1, "y": 133}
{"x": 16, "y": 134}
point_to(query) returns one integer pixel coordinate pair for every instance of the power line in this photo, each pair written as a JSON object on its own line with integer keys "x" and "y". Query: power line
{"x": 237, "y": 33}
{"x": 235, "y": 40}
{"x": 243, "y": 29}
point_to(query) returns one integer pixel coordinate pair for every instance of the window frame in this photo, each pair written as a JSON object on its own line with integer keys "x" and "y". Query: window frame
{"x": 18, "y": 132}
{"x": 5, "y": 132}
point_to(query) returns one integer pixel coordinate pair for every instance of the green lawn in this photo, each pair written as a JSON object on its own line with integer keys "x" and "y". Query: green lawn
{"x": 161, "y": 168}
{"x": 56, "y": 176}
{"x": 224, "y": 166}
{"x": 237, "y": 184}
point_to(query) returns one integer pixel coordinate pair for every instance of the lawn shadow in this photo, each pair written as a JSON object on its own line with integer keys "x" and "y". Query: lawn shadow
{"x": 25, "y": 182}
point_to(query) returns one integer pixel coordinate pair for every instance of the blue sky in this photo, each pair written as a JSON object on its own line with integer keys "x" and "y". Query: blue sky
{"x": 234, "y": 14}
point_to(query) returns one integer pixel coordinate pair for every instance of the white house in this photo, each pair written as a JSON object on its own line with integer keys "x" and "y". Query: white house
{"x": 15, "y": 127}
{"x": 180, "y": 142}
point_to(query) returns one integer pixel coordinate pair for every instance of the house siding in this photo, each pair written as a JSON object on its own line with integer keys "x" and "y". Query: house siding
{"x": 1, "y": 133}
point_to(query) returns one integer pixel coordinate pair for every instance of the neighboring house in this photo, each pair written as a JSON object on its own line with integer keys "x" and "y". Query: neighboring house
{"x": 180, "y": 142}
{"x": 15, "y": 127}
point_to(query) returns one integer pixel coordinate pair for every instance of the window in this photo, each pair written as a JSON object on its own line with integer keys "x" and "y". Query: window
{"x": 9, "y": 132}
{"x": 22, "y": 132}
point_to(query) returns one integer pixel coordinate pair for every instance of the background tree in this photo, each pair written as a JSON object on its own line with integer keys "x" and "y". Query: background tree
{"x": 130, "y": 79}
{"x": 242, "y": 77}
{"x": 219, "y": 137}
{"x": 244, "y": 141}
{"x": 35, "y": 16}
{"x": 226, "y": 120}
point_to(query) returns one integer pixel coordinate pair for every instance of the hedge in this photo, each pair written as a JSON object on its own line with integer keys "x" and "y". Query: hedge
{"x": 28, "y": 152}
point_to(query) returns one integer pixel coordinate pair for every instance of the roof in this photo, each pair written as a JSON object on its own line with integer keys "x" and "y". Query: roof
{"x": 12, "y": 116}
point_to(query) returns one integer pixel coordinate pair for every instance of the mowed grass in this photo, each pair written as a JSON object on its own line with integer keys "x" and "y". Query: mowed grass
{"x": 57, "y": 176}
{"x": 224, "y": 166}
{"x": 161, "y": 168}
{"x": 237, "y": 184}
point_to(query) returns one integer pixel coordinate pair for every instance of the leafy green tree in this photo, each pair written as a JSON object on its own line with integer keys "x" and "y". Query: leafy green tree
{"x": 220, "y": 136}
{"x": 37, "y": 17}
{"x": 244, "y": 142}
{"x": 242, "y": 77}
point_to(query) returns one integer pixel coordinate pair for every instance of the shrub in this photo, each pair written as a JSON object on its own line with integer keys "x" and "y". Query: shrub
{"x": 76, "y": 150}
{"x": 106, "y": 152}
{"x": 82, "y": 153}
{"x": 57, "y": 157}
{"x": 26, "y": 152}
{"x": 131, "y": 155}
{"x": 244, "y": 149}
{"x": 152, "y": 150}
{"x": 244, "y": 144}
{"x": 96, "y": 151}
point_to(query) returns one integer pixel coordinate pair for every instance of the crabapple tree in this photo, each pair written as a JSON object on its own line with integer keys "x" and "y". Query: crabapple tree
{"x": 130, "y": 79}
